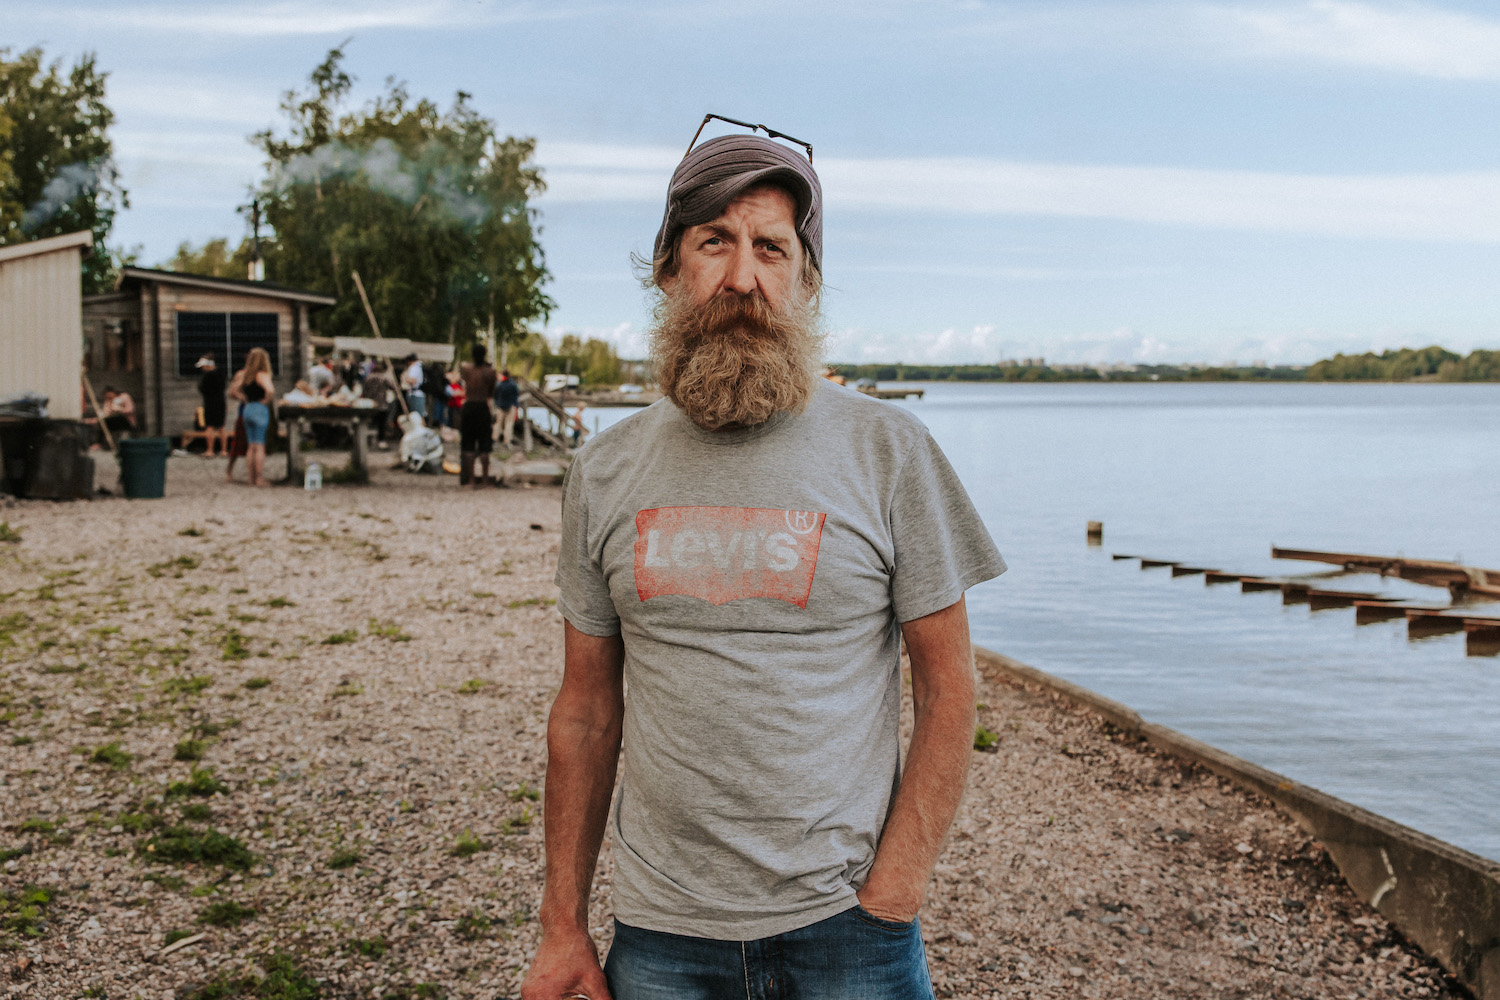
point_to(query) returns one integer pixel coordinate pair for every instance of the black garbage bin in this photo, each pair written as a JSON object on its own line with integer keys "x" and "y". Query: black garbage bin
{"x": 143, "y": 467}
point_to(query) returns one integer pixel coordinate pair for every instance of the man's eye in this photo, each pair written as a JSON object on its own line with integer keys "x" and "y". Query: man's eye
{"x": 774, "y": 247}
{"x": 712, "y": 241}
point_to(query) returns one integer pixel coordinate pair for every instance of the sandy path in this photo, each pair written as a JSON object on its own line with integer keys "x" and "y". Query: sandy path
{"x": 367, "y": 672}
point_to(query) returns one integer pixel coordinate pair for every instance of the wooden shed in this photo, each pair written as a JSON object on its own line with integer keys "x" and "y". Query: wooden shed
{"x": 40, "y": 294}
{"x": 146, "y": 337}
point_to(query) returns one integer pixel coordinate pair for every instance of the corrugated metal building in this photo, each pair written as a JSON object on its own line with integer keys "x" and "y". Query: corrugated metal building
{"x": 41, "y": 295}
{"x": 146, "y": 337}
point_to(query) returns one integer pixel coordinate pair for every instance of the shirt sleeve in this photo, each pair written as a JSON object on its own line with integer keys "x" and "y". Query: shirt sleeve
{"x": 941, "y": 545}
{"x": 583, "y": 596}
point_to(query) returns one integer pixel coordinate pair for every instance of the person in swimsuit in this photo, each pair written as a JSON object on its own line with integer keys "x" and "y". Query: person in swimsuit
{"x": 476, "y": 419}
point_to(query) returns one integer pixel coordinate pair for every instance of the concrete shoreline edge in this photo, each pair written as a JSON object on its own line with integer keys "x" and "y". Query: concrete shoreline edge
{"x": 1443, "y": 898}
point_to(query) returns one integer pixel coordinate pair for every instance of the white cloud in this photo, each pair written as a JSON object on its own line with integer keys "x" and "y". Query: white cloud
{"x": 1456, "y": 207}
{"x": 628, "y": 339}
{"x": 1402, "y": 37}
{"x": 317, "y": 18}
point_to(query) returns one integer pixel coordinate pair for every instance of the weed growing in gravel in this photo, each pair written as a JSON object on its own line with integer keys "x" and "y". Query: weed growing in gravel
{"x": 986, "y": 740}
{"x": 284, "y": 979}
{"x": 414, "y": 991}
{"x": 207, "y": 728}
{"x": 256, "y": 683}
{"x": 533, "y": 602}
{"x": 174, "y": 566}
{"x": 12, "y": 853}
{"x": 234, "y": 645}
{"x": 467, "y": 845}
{"x": 139, "y": 822}
{"x": 190, "y": 686}
{"x": 21, "y": 914}
{"x": 390, "y": 630}
{"x": 226, "y": 914}
{"x": 339, "y": 638}
{"x": 368, "y": 947}
{"x": 471, "y": 686}
{"x": 9, "y": 534}
{"x": 174, "y": 936}
{"x": 280, "y": 602}
{"x": 518, "y": 824}
{"x": 348, "y": 689}
{"x": 345, "y": 857}
{"x": 195, "y": 812}
{"x": 21, "y": 741}
{"x": 525, "y": 792}
{"x": 112, "y": 755}
{"x": 182, "y": 845}
{"x": 201, "y": 782}
{"x": 169, "y": 882}
{"x": 472, "y": 925}
{"x": 189, "y": 750}
{"x": 191, "y": 531}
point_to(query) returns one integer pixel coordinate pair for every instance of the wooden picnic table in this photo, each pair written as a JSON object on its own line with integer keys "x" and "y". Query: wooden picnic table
{"x": 361, "y": 422}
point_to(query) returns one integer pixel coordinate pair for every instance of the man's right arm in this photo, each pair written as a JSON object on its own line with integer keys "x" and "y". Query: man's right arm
{"x": 583, "y": 749}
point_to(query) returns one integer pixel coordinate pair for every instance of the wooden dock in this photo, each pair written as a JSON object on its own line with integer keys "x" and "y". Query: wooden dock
{"x": 892, "y": 393}
{"x": 1460, "y": 580}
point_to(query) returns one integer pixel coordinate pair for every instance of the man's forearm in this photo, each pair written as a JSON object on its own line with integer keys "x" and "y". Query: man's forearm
{"x": 937, "y": 765}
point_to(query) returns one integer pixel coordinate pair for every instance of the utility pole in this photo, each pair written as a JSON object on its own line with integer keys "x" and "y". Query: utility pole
{"x": 257, "y": 269}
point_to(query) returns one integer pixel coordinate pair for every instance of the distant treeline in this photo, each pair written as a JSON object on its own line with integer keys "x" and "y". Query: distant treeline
{"x": 1431, "y": 364}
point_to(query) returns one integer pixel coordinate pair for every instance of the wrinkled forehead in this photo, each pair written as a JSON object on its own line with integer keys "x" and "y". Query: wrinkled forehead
{"x": 764, "y": 206}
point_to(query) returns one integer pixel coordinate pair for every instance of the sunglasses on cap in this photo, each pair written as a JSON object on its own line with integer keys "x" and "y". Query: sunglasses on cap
{"x": 772, "y": 133}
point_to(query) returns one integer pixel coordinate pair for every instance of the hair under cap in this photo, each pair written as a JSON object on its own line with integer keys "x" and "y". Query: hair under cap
{"x": 719, "y": 170}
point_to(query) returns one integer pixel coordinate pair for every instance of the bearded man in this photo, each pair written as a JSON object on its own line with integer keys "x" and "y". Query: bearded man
{"x": 746, "y": 556}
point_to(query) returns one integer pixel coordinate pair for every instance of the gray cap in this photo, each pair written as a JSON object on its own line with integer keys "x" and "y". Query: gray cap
{"x": 718, "y": 171}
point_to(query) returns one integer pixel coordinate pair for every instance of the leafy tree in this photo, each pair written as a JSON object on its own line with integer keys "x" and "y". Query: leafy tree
{"x": 57, "y": 171}
{"x": 213, "y": 259}
{"x": 431, "y": 207}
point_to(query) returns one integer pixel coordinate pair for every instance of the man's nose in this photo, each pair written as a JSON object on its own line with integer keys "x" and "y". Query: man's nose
{"x": 740, "y": 276}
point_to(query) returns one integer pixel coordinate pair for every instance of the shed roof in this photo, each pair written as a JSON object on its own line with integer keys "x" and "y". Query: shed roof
{"x": 239, "y": 285}
{"x": 51, "y": 244}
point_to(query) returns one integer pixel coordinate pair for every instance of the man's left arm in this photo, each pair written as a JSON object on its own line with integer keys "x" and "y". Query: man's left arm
{"x": 942, "y": 682}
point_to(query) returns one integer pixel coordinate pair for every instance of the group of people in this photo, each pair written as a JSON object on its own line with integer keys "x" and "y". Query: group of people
{"x": 251, "y": 387}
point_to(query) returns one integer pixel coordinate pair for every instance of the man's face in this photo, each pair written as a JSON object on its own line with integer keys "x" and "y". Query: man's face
{"x": 752, "y": 247}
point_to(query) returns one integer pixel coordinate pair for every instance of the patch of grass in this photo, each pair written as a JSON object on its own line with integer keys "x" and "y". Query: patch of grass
{"x": 207, "y": 728}
{"x": 339, "y": 638}
{"x": 169, "y": 882}
{"x": 280, "y": 602}
{"x": 368, "y": 947}
{"x": 174, "y": 936}
{"x": 203, "y": 891}
{"x": 175, "y": 567}
{"x": 348, "y": 689}
{"x": 345, "y": 857}
{"x": 22, "y": 913}
{"x": 195, "y": 812}
{"x": 21, "y": 741}
{"x": 9, "y": 534}
{"x": 519, "y": 824}
{"x": 414, "y": 991}
{"x": 38, "y": 825}
{"x": 467, "y": 845}
{"x": 201, "y": 783}
{"x": 189, "y": 686}
{"x": 533, "y": 602}
{"x": 234, "y": 645}
{"x": 112, "y": 755}
{"x": 471, "y": 686}
{"x": 184, "y": 845}
{"x": 284, "y": 979}
{"x": 191, "y": 531}
{"x": 139, "y": 822}
{"x": 472, "y": 925}
{"x": 389, "y": 630}
{"x": 189, "y": 749}
{"x": 13, "y": 853}
{"x": 986, "y": 740}
{"x": 526, "y": 793}
{"x": 482, "y": 595}
{"x": 256, "y": 683}
{"x": 227, "y": 913}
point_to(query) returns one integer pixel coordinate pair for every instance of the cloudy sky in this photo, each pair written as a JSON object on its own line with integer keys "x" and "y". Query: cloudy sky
{"x": 1102, "y": 181}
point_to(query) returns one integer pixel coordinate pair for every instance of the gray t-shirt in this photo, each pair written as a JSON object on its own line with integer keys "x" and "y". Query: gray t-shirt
{"x": 758, "y": 578}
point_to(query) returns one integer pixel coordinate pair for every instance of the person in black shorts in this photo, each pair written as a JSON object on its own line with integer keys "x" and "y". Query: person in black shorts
{"x": 211, "y": 385}
{"x": 476, "y": 418}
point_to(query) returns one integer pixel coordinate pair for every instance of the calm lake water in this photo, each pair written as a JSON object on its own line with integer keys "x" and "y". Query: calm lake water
{"x": 1213, "y": 474}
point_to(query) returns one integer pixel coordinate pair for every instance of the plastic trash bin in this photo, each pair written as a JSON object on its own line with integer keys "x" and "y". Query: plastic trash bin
{"x": 143, "y": 467}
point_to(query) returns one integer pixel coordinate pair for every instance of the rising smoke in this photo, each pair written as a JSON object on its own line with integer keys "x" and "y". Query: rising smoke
{"x": 426, "y": 178}
{"x": 73, "y": 181}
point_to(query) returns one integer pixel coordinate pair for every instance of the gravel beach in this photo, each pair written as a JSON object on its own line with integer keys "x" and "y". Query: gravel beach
{"x": 271, "y": 743}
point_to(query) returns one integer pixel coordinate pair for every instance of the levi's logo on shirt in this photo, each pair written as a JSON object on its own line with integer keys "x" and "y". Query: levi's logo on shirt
{"x": 721, "y": 554}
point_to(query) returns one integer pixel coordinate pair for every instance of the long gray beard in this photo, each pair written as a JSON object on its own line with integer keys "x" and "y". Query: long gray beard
{"x": 734, "y": 361}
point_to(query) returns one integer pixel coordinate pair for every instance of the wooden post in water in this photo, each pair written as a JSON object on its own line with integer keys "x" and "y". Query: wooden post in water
{"x": 1096, "y": 532}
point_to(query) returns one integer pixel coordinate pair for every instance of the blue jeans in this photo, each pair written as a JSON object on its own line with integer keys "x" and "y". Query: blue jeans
{"x": 257, "y": 420}
{"x": 852, "y": 956}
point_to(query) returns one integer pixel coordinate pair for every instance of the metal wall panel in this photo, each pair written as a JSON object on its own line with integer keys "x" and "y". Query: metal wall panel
{"x": 41, "y": 328}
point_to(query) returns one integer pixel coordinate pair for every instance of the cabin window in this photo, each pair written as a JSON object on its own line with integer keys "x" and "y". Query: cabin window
{"x": 225, "y": 335}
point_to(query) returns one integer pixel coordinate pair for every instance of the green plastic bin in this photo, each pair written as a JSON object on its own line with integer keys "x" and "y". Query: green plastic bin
{"x": 143, "y": 467}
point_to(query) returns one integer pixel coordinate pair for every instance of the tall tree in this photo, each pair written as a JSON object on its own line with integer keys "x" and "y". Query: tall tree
{"x": 431, "y": 207}
{"x": 57, "y": 170}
